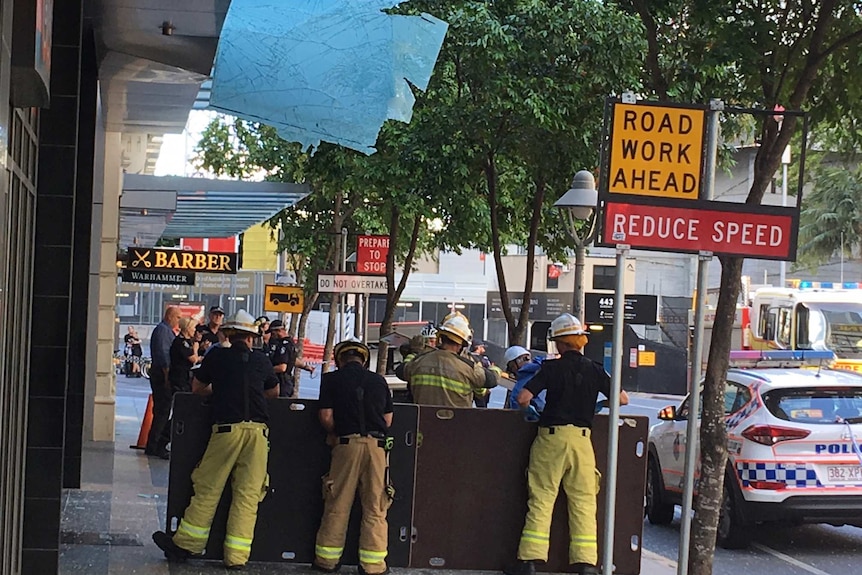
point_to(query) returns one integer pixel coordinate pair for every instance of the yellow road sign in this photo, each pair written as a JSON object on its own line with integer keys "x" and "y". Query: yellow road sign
{"x": 287, "y": 299}
{"x": 656, "y": 151}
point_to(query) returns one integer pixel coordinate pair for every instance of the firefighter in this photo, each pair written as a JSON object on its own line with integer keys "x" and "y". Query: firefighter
{"x": 239, "y": 379}
{"x": 562, "y": 451}
{"x": 446, "y": 376}
{"x": 356, "y": 412}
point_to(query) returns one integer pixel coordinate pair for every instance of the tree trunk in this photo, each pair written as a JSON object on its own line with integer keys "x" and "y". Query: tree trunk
{"x": 490, "y": 169}
{"x": 713, "y": 432}
{"x": 517, "y": 332}
{"x": 337, "y": 257}
{"x": 393, "y": 292}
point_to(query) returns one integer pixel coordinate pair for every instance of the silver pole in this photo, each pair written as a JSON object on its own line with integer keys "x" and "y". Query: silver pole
{"x": 580, "y": 263}
{"x": 614, "y": 416}
{"x": 691, "y": 450}
{"x": 782, "y": 270}
{"x": 366, "y": 301}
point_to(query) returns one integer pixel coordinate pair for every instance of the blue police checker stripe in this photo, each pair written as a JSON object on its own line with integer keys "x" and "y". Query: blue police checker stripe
{"x": 744, "y": 413}
{"x": 792, "y": 474}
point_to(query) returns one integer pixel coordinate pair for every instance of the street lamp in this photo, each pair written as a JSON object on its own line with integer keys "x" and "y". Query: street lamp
{"x": 579, "y": 208}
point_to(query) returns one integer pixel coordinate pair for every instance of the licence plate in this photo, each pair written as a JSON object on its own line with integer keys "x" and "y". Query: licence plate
{"x": 843, "y": 473}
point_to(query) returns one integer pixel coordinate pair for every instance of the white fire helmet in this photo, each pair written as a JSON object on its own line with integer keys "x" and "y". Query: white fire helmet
{"x": 514, "y": 353}
{"x": 241, "y": 321}
{"x": 457, "y": 328}
{"x": 566, "y": 324}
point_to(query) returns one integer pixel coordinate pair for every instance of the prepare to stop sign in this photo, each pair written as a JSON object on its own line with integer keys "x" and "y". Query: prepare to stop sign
{"x": 656, "y": 151}
{"x": 371, "y": 254}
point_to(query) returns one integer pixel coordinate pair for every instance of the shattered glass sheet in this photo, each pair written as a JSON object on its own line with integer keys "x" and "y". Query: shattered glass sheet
{"x": 331, "y": 70}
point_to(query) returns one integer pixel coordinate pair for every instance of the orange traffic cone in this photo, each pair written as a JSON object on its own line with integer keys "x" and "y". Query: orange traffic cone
{"x": 145, "y": 426}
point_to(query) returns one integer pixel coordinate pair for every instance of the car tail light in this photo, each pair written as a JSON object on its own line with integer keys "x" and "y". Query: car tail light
{"x": 772, "y": 434}
{"x": 771, "y": 485}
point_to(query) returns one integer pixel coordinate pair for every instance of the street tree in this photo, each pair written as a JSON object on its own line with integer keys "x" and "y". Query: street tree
{"x": 758, "y": 54}
{"x": 522, "y": 84}
{"x": 831, "y": 219}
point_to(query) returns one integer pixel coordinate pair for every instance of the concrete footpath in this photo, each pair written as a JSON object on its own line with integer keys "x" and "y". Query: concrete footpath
{"x": 106, "y": 525}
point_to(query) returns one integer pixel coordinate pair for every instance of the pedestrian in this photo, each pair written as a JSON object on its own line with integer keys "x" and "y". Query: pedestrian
{"x": 263, "y": 331}
{"x": 184, "y": 355}
{"x": 133, "y": 352}
{"x": 477, "y": 352}
{"x": 239, "y": 379}
{"x": 209, "y": 330}
{"x": 282, "y": 354}
{"x": 446, "y": 376}
{"x": 356, "y": 412}
{"x": 160, "y": 349}
{"x": 562, "y": 452}
{"x": 521, "y": 367}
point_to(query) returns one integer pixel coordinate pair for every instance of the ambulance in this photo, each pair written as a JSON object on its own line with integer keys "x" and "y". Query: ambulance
{"x": 813, "y": 316}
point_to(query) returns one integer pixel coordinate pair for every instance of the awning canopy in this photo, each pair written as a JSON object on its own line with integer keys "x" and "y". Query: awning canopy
{"x": 152, "y": 206}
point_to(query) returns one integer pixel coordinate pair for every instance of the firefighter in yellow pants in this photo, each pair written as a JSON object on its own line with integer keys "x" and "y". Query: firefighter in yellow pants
{"x": 239, "y": 380}
{"x": 562, "y": 452}
{"x": 356, "y": 412}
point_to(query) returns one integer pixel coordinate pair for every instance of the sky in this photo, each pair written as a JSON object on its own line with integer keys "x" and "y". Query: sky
{"x": 178, "y": 149}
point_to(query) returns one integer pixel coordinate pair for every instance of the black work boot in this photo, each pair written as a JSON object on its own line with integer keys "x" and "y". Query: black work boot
{"x": 322, "y": 569}
{"x": 520, "y": 567}
{"x": 173, "y": 552}
{"x": 586, "y": 569}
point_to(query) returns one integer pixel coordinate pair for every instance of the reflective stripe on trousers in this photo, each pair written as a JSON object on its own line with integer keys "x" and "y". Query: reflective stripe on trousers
{"x": 243, "y": 452}
{"x": 361, "y": 464}
{"x": 564, "y": 457}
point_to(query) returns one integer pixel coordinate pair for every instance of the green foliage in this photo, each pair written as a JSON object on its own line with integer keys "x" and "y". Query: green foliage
{"x": 832, "y": 218}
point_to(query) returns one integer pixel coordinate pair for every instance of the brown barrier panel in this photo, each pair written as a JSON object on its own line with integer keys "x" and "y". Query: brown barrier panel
{"x": 470, "y": 495}
{"x": 289, "y": 516}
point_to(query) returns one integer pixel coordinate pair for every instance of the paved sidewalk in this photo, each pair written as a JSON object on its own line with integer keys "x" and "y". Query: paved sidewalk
{"x": 106, "y": 525}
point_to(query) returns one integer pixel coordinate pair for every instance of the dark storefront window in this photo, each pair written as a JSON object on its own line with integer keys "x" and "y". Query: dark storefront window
{"x": 604, "y": 277}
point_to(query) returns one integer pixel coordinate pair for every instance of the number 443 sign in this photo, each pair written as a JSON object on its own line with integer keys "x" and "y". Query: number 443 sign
{"x": 639, "y": 309}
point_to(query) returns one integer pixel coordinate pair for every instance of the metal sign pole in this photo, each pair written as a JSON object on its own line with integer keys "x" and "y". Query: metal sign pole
{"x": 691, "y": 444}
{"x": 614, "y": 417}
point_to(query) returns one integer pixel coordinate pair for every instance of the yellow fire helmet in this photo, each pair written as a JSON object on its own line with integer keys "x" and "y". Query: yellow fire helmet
{"x": 456, "y": 327}
{"x": 354, "y": 346}
{"x": 566, "y": 324}
{"x": 241, "y": 321}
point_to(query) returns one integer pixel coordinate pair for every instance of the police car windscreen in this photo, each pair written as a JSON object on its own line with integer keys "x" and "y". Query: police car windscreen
{"x": 815, "y": 405}
{"x": 838, "y": 327}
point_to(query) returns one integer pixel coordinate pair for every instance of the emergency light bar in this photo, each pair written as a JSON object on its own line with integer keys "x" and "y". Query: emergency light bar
{"x": 780, "y": 358}
{"x": 798, "y": 284}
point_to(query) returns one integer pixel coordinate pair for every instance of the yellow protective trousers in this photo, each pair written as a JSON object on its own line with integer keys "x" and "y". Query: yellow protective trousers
{"x": 238, "y": 451}
{"x": 357, "y": 462}
{"x": 564, "y": 455}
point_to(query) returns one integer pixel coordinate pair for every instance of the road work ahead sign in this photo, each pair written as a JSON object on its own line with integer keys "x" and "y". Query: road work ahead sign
{"x": 656, "y": 151}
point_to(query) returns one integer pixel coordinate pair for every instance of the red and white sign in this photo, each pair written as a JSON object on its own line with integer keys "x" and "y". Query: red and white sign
{"x": 720, "y": 231}
{"x": 371, "y": 254}
{"x": 213, "y": 245}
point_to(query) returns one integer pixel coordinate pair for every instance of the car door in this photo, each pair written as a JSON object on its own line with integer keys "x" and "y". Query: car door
{"x": 670, "y": 445}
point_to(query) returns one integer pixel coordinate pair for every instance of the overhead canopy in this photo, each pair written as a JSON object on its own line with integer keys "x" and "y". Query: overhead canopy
{"x": 152, "y": 207}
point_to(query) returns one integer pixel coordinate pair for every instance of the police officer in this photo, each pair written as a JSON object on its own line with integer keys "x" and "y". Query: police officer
{"x": 209, "y": 331}
{"x": 446, "y": 376}
{"x": 562, "y": 451}
{"x": 356, "y": 412}
{"x": 240, "y": 380}
{"x": 282, "y": 354}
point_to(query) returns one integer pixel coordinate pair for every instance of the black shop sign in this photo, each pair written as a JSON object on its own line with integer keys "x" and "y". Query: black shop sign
{"x": 639, "y": 309}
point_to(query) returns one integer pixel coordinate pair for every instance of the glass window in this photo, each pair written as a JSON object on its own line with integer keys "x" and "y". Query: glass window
{"x": 735, "y": 397}
{"x": 604, "y": 277}
{"x": 784, "y": 326}
{"x": 815, "y": 405}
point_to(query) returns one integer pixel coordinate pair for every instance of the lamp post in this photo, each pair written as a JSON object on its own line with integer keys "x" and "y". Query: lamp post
{"x": 785, "y": 161}
{"x": 578, "y": 206}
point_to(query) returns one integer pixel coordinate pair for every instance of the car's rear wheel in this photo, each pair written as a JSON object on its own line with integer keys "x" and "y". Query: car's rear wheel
{"x": 732, "y": 532}
{"x": 657, "y": 510}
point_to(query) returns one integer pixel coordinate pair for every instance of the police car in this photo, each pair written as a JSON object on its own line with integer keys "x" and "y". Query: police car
{"x": 794, "y": 430}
